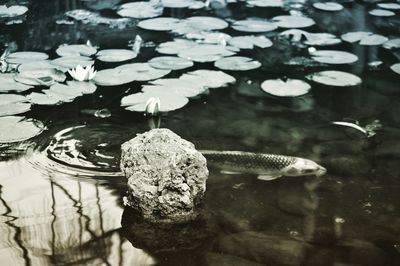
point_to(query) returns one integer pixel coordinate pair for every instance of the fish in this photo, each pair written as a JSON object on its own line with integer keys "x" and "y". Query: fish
{"x": 265, "y": 166}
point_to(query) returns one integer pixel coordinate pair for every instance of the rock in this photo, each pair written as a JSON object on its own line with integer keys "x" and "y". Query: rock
{"x": 166, "y": 175}
{"x": 264, "y": 248}
{"x": 215, "y": 259}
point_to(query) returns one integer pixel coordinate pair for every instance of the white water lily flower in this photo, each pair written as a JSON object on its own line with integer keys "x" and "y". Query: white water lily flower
{"x": 153, "y": 106}
{"x": 82, "y": 74}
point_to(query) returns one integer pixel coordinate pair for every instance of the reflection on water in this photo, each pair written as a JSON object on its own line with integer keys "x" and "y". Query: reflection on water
{"x": 61, "y": 192}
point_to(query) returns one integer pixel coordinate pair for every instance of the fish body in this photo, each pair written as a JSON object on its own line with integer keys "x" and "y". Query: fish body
{"x": 266, "y": 166}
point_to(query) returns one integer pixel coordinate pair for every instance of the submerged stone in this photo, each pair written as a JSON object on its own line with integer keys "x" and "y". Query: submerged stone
{"x": 166, "y": 175}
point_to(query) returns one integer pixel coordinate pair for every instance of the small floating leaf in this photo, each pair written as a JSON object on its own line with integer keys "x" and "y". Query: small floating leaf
{"x": 69, "y": 62}
{"x": 254, "y": 25}
{"x": 334, "y": 57}
{"x": 237, "y": 63}
{"x": 116, "y": 55}
{"x": 14, "y": 109}
{"x": 335, "y": 78}
{"x": 396, "y": 68}
{"x": 143, "y": 71}
{"x": 178, "y": 86}
{"x": 170, "y": 63}
{"x": 381, "y": 13}
{"x": 26, "y": 56}
{"x": 159, "y": 24}
{"x": 328, "y": 6}
{"x": 141, "y": 10}
{"x": 293, "y": 21}
{"x": 182, "y": 4}
{"x": 391, "y": 6}
{"x": 364, "y": 38}
{"x": 288, "y": 88}
{"x": 168, "y": 101}
{"x": 249, "y": 41}
{"x": 12, "y": 98}
{"x": 198, "y": 24}
{"x": 113, "y": 77}
{"x": 7, "y": 83}
{"x": 44, "y": 77}
{"x": 76, "y": 50}
{"x": 175, "y": 47}
{"x": 12, "y": 11}
{"x": 206, "y": 52}
{"x": 17, "y": 128}
{"x": 35, "y": 65}
{"x": 42, "y": 99}
{"x": 209, "y": 78}
{"x": 265, "y": 3}
{"x": 392, "y": 44}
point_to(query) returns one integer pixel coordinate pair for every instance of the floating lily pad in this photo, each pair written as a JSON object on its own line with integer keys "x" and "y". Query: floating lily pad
{"x": 12, "y": 98}
{"x": 14, "y": 109}
{"x": 69, "y": 62}
{"x": 288, "y": 88}
{"x": 116, "y": 55}
{"x": 237, "y": 63}
{"x": 94, "y": 18}
{"x": 334, "y": 57}
{"x": 17, "y": 128}
{"x": 40, "y": 77}
{"x": 328, "y": 6}
{"x": 182, "y": 4}
{"x": 209, "y": 37}
{"x": 168, "y": 101}
{"x": 143, "y": 71}
{"x": 392, "y": 44}
{"x": 35, "y": 65}
{"x": 396, "y": 68}
{"x": 315, "y": 39}
{"x": 381, "y": 13}
{"x": 27, "y": 56}
{"x": 63, "y": 93}
{"x": 159, "y": 24}
{"x": 205, "y": 52}
{"x": 198, "y": 24}
{"x": 208, "y": 78}
{"x": 170, "y": 63}
{"x": 391, "y": 6}
{"x": 175, "y": 47}
{"x": 42, "y": 99}
{"x": 335, "y": 78}
{"x": 83, "y": 87}
{"x": 7, "y": 83}
{"x": 12, "y": 11}
{"x": 76, "y": 50}
{"x": 177, "y": 86}
{"x": 265, "y": 3}
{"x": 141, "y": 10}
{"x": 293, "y": 21}
{"x": 364, "y": 38}
{"x": 248, "y": 42}
{"x": 254, "y": 25}
{"x": 113, "y": 77}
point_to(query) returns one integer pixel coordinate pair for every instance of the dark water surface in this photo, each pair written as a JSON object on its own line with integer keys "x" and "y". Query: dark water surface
{"x": 61, "y": 200}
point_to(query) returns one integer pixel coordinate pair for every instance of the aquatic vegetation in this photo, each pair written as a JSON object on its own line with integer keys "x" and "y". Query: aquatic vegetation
{"x": 18, "y": 128}
{"x": 206, "y": 52}
{"x": 170, "y": 63}
{"x": 335, "y": 78}
{"x": 285, "y": 88}
{"x": 152, "y": 106}
{"x": 381, "y": 13}
{"x": 265, "y": 3}
{"x": 140, "y": 10}
{"x": 333, "y": 57}
{"x": 237, "y": 63}
{"x": 249, "y": 41}
{"x": 392, "y": 44}
{"x": 7, "y": 83}
{"x": 25, "y": 56}
{"x": 82, "y": 74}
{"x": 254, "y": 25}
{"x": 390, "y": 6}
{"x": 294, "y": 21}
{"x": 208, "y": 78}
{"x": 76, "y": 50}
{"x": 115, "y": 55}
{"x": 159, "y": 24}
{"x": 14, "y": 108}
{"x": 369, "y": 130}
{"x": 364, "y": 38}
{"x": 40, "y": 77}
{"x": 65, "y": 63}
{"x": 94, "y": 18}
{"x": 395, "y": 68}
{"x": 328, "y": 6}
{"x": 10, "y": 11}
{"x": 314, "y": 39}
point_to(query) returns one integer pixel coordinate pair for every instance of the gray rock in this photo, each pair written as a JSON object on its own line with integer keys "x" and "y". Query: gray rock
{"x": 166, "y": 175}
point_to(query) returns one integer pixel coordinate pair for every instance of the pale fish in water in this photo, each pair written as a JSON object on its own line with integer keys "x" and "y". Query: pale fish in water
{"x": 266, "y": 166}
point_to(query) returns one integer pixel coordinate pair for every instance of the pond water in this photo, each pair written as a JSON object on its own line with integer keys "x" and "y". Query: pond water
{"x": 60, "y": 190}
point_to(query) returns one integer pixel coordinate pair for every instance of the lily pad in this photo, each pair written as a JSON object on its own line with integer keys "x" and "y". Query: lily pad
{"x": 40, "y": 77}
{"x": 175, "y": 47}
{"x": 143, "y": 71}
{"x": 392, "y": 44}
{"x": 237, "y": 63}
{"x": 208, "y": 78}
{"x": 42, "y": 99}
{"x": 391, "y": 6}
{"x": 170, "y": 63}
{"x": 159, "y": 24}
{"x": 265, "y": 3}
{"x": 141, "y": 10}
{"x": 76, "y": 50}
{"x": 287, "y": 88}
{"x": 12, "y": 11}
{"x": 209, "y": 37}
{"x": 315, "y": 39}
{"x": 168, "y": 101}
{"x": 26, "y": 56}
{"x": 254, "y": 25}
{"x": 249, "y": 41}
{"x": 205, "y": 52}
{"x": 182, "y": 4}
{"x": 381, "y": 13}
{"x": 35, "y": 65}
{"x": 12, "y": 98}
{"x": 83, "y": 87}
{"x": 7, "y": 83}
{"x": 334, "y": 57}
{"x": 293, "y": 21}
{"x": 328, "y": 6}
{"x": 14, "y": 109}
{"x": 177, "y": 86}
{"x": 17, "y": 128}
{"x": 198, "y": 24}
{"x": 364, "y": 38}
{"x": 335, "y": 78}
{"x": 396, "y": 68}
{"x": 69, "y": 62}
{"x": 116, "y": 55}
{"x": 113, "y": 77}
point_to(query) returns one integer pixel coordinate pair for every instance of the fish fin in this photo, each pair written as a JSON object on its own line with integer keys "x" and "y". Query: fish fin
{"x": 268, "y": 177}
{"x": 225, "y": 172}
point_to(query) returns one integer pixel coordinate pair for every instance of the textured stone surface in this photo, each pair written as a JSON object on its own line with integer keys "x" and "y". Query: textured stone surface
{"x": 166, "y": 175}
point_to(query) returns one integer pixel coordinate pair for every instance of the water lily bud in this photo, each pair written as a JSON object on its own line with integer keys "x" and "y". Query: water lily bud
{"x": 152, "y": 106}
